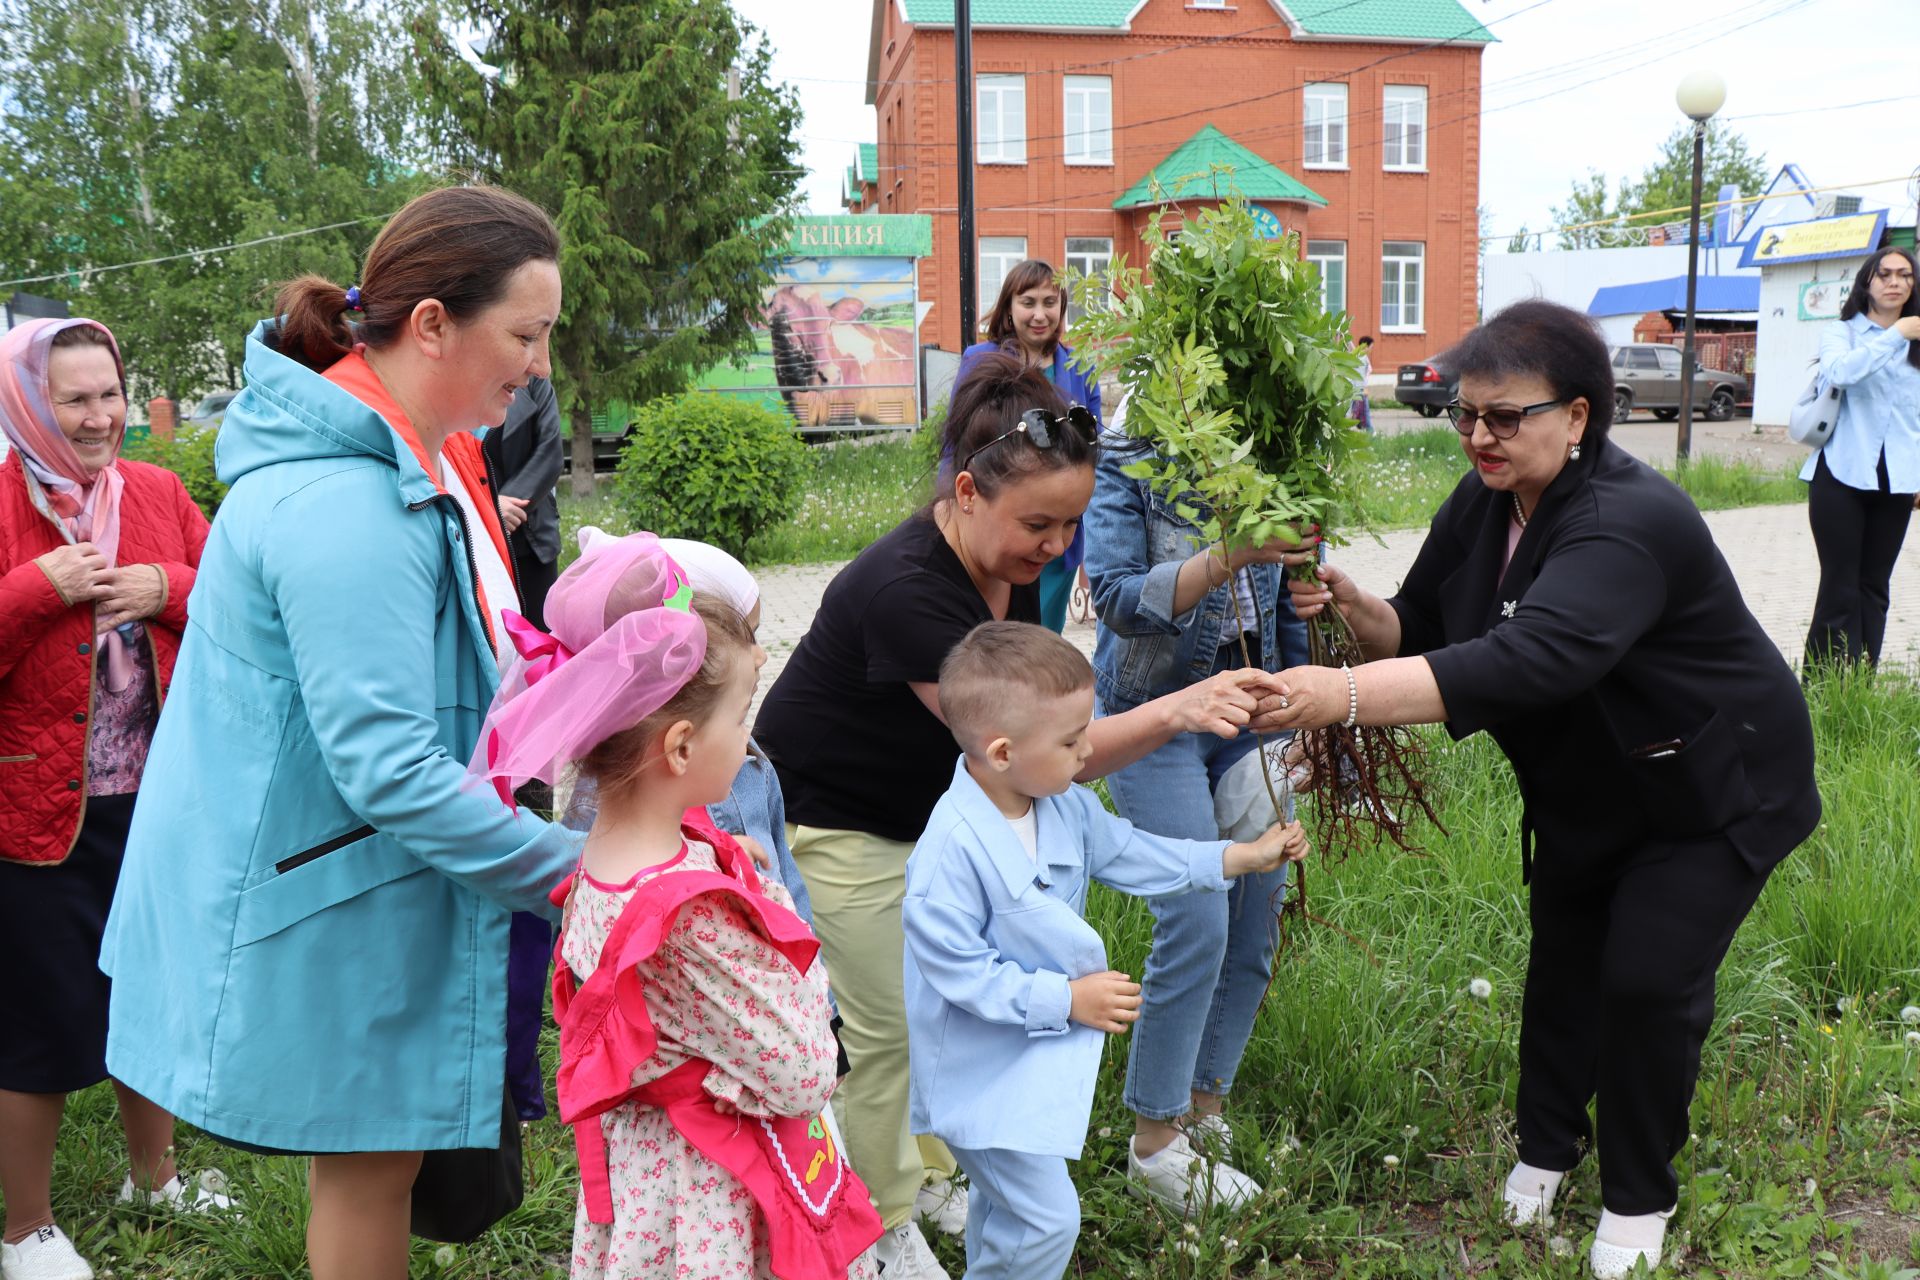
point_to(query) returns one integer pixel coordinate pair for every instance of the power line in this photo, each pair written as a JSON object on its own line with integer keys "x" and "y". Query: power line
{"x": 1624, "y": 218}
{"x": 1807, "y": 111}
{"x": 86, "y": 272}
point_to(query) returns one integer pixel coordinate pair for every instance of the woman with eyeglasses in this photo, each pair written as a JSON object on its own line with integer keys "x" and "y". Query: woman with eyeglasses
{"x": 1570, "y": 601}
{"x": 854, "y": 731}
{"x": 1862, "y": 483}
{"x": 1175, "y": 612}
{"x": 1028, "y": 320}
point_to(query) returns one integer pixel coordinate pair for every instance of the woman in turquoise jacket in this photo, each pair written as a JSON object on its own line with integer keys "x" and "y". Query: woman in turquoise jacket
{"x": 309, "y": 944}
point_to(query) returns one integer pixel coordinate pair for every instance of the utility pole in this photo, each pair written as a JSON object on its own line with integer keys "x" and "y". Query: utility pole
{"x": 963, "y": 106}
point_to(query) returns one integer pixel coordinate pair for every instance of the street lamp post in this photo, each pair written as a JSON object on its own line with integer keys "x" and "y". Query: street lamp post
{"x": 1700, "y": 94}
{"x": 963, "y": 135}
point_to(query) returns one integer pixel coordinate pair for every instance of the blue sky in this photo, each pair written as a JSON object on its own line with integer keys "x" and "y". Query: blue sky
{"x": 1573, "y": 85}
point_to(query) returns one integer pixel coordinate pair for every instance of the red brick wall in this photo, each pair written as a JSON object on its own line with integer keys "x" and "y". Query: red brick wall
{"x": 1248, "y": 87}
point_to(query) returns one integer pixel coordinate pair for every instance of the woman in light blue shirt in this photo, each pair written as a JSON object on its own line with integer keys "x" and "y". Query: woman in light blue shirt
{"x": 1864, "y": 480}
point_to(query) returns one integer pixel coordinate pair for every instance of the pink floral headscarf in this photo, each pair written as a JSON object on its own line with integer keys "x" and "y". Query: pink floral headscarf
{"x": 87, "y": 506}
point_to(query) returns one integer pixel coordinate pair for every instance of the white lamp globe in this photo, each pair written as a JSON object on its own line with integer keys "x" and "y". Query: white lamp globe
{"x": 1701, "y": 93}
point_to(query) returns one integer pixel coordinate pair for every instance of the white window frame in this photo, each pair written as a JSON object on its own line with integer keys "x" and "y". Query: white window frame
{"x": 1323, "y": 253}
{"x": 1206, "y": 4}
{"x": 1085, "y": 261}
{"x": 1403, "y": 286}
{"x": 1324, "y": 125}
{"x": 1000, "y": 111}
{"x": 1403, "y": 128}
{"x": 1089, "y": 139}
{"x": 998, "y": 256}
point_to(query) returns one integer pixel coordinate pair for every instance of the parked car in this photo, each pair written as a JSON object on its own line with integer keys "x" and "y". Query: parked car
{"x": 210, "y": 412}
{"x": 1646, "y": 375}
{"x": 1427, "y": 386}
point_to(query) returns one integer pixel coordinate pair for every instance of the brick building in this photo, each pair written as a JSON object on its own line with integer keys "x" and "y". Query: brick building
{"x": 1352, "y": 122}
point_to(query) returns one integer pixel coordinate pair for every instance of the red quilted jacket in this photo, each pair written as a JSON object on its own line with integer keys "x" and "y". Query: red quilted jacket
{"x": 47, "y": 650}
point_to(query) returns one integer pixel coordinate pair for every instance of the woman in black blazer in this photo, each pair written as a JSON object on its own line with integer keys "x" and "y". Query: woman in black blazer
{"x": 1570, "y": 601}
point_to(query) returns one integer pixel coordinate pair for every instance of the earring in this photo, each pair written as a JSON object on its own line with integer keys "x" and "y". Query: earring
{"x": 1573, "y": 451}
{"x": 968, "y": 508}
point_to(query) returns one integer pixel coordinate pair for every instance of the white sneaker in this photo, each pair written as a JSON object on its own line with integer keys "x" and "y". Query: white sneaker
{"x": 209, "y": 1194}
{"x": 1622, "y": 1240}
{"x": 1528, "y": 1195}
{"x": 944, "y": 1204}
{"x": 47, "y": 1254}
{"x": 1181, "y": 1178}
{"x": 1211, "y": 1132}
{"x": 904, "y": 1254}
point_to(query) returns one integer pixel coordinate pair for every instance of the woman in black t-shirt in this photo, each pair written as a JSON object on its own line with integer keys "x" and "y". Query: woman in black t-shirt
{"x": 853, "y": 728}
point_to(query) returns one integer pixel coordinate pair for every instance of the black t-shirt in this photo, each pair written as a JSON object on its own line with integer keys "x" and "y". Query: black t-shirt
{"x": 855, "y": 748}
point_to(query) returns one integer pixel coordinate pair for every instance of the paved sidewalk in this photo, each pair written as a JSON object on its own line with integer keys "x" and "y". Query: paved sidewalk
{"x": 1769, "y": 548}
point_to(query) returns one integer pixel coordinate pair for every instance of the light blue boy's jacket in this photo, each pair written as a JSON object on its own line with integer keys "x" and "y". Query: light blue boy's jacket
{"x": 993, "y": 940}
{"x": 309, "y": 941}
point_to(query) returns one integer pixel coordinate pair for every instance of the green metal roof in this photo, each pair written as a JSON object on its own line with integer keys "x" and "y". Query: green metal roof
{"x": 867, "y": 164}
{"x": 1110, "y": 14}
{"x": 1386, "y": 19}
{"x": 1186, "y": 175}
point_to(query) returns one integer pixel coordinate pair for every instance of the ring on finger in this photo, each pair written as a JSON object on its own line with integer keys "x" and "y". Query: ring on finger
{"x": 1284, "y": 703}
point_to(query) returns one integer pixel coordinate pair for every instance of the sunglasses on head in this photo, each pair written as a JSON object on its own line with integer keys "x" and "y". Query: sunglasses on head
{"x": 1043, "y": 429}
{"x": 1504, "y": 424}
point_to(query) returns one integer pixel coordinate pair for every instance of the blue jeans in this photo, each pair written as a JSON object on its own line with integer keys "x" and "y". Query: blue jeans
{"x": 1212, "y": 952}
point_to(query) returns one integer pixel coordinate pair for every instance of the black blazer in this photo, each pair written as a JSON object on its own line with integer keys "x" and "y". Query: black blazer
{"x": 525, "y": 452}
{"x": 1616, "y": 664}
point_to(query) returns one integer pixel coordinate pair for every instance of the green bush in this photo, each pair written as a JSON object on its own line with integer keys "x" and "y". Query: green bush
{"x": 927, "y": 440}
{"x": 709, "y": 467}
{"x": 188, "y": 455}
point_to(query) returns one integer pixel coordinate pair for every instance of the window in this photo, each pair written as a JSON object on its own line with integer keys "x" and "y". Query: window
{"x": 1206, "y": 4}
{"x": 1086, "y": 256}
{"x": 1669, "y": 358}
{"x": 1089, "y": 120}
{"x": 1402, "y": 272}
{"x": 1641, "y": 358}
{"x": 1403, "y": 127}
{"x": 999, "y": 255}
{"x": 1620, "y": 358}
{"x": 1326, "y": 126}
{"x": 1330, "y": 256}
{"x": 1002, "y": 112}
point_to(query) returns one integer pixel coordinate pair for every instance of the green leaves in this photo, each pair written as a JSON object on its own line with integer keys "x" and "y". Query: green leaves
{"x": 1235, "y": 375}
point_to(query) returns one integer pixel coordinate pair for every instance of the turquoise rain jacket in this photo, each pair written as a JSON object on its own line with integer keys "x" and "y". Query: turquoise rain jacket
{"x": 309, "y": 942}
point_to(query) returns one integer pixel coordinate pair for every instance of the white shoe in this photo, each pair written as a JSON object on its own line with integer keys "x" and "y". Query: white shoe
{"x": 1528, "y": 1195}
{"x": 209, "y": 1194}
{"x": 46, "y": 1254}
{"x": 904, "y": 1254}
{"x": 1622, "y": 1240}
{"x": 1211, "y": 1132}
{"x": 1181, "y": 1178}
{"x": 944, "y": 1204}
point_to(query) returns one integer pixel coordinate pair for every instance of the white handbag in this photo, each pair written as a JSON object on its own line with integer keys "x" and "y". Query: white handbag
{"x": 1815, "y": 412}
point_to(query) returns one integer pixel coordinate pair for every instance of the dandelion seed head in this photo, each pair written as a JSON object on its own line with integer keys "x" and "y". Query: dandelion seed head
{"x": 1911, "y": 1014}
{"x": 443, "y": 1256}
{"x": 1913, "y": 1039}
{"x": 1392, "y": 1162}
{"x": 1560, "y": 1247}
{"x": 1410, "y": 1131}
{"x": 1480, "y": 989}
{"x": 1842, "y": 1005}
{"x": 1190, "y": 1229}
{"x": 1811, "y": 1187}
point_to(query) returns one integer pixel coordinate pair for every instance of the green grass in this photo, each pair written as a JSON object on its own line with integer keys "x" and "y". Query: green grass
{"x": 1806, "y": 1161}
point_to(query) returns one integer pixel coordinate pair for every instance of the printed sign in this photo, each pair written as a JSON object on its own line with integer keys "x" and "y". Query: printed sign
{"x": 872, "y": 235}
{"x": 1851, "y": 236}
{"x": 1822, "y": 299}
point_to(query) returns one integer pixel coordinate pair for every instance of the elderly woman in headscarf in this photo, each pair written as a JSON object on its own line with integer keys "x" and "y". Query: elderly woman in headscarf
{"x": 97, "y": 555}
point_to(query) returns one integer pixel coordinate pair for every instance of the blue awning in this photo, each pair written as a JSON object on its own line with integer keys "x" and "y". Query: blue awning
{"x": 1714, "y": 294}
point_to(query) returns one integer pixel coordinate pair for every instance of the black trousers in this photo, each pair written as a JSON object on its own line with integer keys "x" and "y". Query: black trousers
{"x": 535, "y": 578}
{"x": 1858, "y": 533}
{"x": 1618, "y": 1001}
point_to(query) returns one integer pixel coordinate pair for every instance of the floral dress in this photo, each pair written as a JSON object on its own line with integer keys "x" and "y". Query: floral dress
{"x": 718, "y": 992}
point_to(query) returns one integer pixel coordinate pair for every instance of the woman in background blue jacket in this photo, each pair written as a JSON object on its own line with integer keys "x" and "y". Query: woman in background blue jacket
{"x": 1862, "y": 483}
{"x": 1028, "y": 320}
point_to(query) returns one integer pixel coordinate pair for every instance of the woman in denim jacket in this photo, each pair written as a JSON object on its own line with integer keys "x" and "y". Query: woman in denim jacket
{"x": 1169, "y": 620}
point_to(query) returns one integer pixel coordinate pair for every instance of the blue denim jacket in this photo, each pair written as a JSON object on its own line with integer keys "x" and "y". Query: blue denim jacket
{"x": 1881, "y": 410}
{"x": 1135, "y": 546}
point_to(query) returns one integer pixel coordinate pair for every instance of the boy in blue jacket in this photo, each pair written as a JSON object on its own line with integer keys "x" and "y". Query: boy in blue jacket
{"x": 1008, "y": 990}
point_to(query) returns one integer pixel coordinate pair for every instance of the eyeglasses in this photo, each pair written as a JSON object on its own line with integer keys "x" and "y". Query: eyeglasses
{"x": 1503, "y": 423}
{"x": 1042, "y": 429}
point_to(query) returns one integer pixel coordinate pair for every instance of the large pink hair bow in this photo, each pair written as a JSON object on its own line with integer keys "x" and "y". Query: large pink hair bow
{"x": 623, "y": 643}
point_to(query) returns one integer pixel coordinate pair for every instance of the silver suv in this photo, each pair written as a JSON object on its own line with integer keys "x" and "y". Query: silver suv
{"x": 1646, "y": 375}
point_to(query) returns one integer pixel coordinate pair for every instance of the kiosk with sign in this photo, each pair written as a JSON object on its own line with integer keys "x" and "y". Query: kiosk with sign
{"x": 1806, "y": 271}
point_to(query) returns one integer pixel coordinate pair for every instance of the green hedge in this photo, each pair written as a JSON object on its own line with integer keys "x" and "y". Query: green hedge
{"x": 188, "y": 455}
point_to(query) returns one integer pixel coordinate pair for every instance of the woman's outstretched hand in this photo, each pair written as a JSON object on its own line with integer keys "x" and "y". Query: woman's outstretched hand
{"x": 1313, "y": 698}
